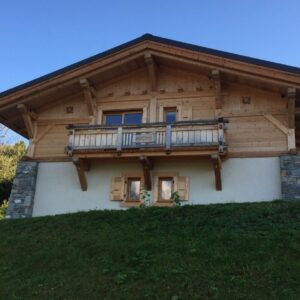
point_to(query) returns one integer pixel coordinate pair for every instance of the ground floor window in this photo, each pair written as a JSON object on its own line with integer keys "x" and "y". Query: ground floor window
{"x": 166, "y": 188}
{"x": 133, "y": 189}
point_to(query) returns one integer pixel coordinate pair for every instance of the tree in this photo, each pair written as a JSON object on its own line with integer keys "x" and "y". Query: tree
{"x": 3, "y": 134}
{"x": 9, "y": 158}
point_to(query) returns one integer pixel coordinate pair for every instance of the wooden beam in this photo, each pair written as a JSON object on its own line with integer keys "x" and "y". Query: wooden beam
{"x": 147, "y": 165}
{"x": 290, "y": 132}
{"x": 81, "y": 167}
{"x": 90, "y": 98}
{"x": 152, "y": 71}
{"x": 215, "y": 76}
{"x": 26, "y": 118}
{"x": 217, "y": 164}
{"x": 291, "y": 107}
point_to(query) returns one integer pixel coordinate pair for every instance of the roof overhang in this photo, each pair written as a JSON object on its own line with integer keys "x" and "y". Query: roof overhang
{"x": 132, "y": 54}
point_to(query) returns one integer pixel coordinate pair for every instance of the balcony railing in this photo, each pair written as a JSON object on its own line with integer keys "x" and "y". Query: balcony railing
{"x": 179, "y": 135}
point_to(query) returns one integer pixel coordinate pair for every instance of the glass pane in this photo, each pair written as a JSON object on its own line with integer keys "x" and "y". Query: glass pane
{"x": 132, "y": 118}
{"x": 112, "y": 120}
{"x": 170, "y": 116}
{"x": 134, "y": 190}
{"x": 166, "y": 189}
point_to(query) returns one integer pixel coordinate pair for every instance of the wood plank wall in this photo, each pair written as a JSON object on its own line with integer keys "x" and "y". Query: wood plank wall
{"x": 249, "y": 132}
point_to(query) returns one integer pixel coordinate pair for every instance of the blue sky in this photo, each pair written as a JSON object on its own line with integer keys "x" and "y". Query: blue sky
{"x": 40, "y": 36}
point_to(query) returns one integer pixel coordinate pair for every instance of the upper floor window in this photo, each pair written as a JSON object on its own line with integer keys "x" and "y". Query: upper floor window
{"x": 123, "y": 118}
{"x": 170, "y": 114}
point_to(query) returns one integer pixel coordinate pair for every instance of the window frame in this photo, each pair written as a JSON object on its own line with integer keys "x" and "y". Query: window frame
{"x": 170, "y": 109}
{"x": 122, "y": 113}
{"x": 160, "y": 180}
{"x": 127, "y": 182}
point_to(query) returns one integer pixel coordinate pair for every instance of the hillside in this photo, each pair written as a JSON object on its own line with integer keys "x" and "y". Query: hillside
{"x": 230, "y": 251}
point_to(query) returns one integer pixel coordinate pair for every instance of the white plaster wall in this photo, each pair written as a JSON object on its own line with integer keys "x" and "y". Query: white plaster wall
{"x": 244, "y": 180}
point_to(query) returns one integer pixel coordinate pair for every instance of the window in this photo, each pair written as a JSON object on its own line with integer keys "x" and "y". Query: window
{"x": 166, "y": 183}
{"x": 127, "y": 189}
{"x": 166, "y": 188}
{"x": 133, "y": 189}
{"x": 123, "y": 118}
{"x": 170, "y": 115}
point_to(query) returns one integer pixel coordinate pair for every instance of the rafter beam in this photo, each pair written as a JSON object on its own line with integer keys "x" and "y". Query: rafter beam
{"x": 152, "y": 71}
{"x": 27, "y": 118}
{"x": 217, "y": 165}
{"x": 81, "y": 166}
{"x": 216, "y": 78}
{"x": 291, "y": 93}
{"x": 147, "y": 165}
{"x": 90, "y": 98}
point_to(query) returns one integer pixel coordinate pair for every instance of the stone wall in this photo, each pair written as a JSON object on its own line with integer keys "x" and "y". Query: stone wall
{"x": 20, "y": 203}
{"x": 290, "y": 177}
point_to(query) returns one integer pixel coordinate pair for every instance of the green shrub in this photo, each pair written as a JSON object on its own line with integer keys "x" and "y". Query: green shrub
{"x": 3, "y": 208}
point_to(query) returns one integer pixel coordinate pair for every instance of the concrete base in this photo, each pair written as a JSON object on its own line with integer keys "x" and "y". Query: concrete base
{"x": 244, "y": 180}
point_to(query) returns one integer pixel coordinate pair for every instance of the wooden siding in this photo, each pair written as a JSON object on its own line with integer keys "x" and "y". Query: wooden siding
{"x": 248, "y": 133}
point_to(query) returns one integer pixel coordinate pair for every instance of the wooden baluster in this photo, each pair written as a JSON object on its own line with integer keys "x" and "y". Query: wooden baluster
{"x": 119, "y": 140}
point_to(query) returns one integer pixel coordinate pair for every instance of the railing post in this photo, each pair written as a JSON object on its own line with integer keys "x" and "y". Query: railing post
{"x": 120, "y": 139}
{"x": 221, "y": 137}
{"x": 168, "y": 136}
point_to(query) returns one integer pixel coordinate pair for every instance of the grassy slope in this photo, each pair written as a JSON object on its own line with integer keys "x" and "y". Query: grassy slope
{"x": 232, "y": 251}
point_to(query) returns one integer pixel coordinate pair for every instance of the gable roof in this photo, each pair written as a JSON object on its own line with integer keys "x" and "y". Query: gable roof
{"x": 165, "y": 41}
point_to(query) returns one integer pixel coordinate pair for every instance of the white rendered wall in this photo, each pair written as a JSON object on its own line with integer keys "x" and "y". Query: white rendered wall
{"x": 244, "y": 180}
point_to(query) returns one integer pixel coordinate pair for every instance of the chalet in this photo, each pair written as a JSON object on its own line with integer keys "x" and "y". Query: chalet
{"x": 151, "y": 117}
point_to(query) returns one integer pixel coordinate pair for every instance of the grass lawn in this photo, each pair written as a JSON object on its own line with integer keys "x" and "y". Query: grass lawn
{"x": 229, "y": 251}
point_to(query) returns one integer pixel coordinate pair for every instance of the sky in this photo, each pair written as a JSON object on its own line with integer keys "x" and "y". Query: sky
{"x": 41, "y": 36}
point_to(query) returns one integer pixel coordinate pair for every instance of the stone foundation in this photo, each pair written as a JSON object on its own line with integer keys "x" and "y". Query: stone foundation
{"x": 20, "y": 203}
{"x": 290, "y": 177}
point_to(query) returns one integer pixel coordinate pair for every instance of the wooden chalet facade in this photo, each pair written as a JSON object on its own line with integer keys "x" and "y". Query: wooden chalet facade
{"x": 157, "y": 115}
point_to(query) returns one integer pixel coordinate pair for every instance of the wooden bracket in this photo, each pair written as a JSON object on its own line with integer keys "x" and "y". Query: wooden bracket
{"x": 215, "y": 76}
{"x": 90, "y": 98}
{"x": 290, "y": 133}
{"x": 81, "y": 165}
{"x": 152, "y": 71}
{"x": 217, "y": 164}
{"x": 147, "y": 165}
{"x": 28, "y": 116}
{"x": 291, "y": 93}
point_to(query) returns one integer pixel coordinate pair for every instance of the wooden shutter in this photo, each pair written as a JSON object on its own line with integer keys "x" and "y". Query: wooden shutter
{"x": 117, "y": 189}
{"x": 183, "y": 187}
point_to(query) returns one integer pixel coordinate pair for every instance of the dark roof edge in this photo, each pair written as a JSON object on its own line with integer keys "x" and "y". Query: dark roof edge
{"x": 150, "y": 37}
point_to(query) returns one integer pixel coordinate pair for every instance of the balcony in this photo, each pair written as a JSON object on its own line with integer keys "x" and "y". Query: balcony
{"x": 203, "y": 137}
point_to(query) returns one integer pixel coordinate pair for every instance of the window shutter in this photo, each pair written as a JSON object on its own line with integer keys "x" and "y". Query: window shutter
{"x": 183, "y": 187}
{"x": 117, "y": 189}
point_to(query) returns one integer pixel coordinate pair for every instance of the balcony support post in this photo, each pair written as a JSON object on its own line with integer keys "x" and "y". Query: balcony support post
{"x": 217, "y": 165}
{"x": 147, "y": 165}
{"x": 81, "y": 166}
